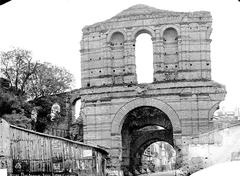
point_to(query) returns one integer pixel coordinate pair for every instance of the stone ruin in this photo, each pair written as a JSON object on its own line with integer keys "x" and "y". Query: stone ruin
{"x": 181, "y": 98}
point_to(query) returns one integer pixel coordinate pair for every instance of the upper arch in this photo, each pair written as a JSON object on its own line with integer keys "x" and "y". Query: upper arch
{"x": 151, "y": 137}
{"x": 167, "y": 27}
{"x": 111, "y": 33}
{"x": 120, "y": 116}
{"x": 141, "y": 30}
{"x": 214, "y": 108}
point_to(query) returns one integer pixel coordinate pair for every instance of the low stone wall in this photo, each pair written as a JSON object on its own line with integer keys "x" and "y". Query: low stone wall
{"x": 220, "y": 145}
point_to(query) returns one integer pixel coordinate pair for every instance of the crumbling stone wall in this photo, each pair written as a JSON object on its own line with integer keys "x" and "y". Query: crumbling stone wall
{"x": 62, "y": 124}
{"x": 181, "y": 46}
{"x": 182, "y": 87}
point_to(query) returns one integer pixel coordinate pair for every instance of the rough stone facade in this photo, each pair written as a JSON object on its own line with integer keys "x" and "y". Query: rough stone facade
{"x": 182, "y": 89}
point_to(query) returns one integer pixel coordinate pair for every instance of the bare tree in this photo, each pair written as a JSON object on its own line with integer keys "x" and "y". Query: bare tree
{"x": 33, "y": 79}
{"x": 49, "y": 80}
{"x": 18, "y": 67}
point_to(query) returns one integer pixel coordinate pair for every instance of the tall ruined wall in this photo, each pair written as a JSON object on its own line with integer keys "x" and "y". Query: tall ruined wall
{"x": 182, "y": 87}
{"x": 181, "y": 46}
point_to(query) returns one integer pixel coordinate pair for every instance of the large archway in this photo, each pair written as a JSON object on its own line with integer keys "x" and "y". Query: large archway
{"x": 121, "y": 114}
{"x": 143, "y": 126}
{"x": 158, "y": 157}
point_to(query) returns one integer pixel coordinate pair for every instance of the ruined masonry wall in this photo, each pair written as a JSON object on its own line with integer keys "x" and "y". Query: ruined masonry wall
{"x": 181, "y": 48}
{"x": 182, "y": 86}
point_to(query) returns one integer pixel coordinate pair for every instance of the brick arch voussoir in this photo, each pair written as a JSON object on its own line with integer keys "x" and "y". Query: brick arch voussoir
{"x": 120, "y": 116}
{"x": 111, "y": 33}
{"x": 169, "y": 26}
{"x": 141, "y": 143}
{"x": 147, "y": 30}
{"x": 214, "y": 108}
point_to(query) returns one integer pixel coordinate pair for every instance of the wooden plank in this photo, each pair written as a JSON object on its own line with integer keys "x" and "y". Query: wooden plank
{"x": 39, "y": 150}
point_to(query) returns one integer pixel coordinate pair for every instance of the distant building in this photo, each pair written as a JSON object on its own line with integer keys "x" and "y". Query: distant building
{"x": 161, "y": 155}
{"x": 224, "y": 115}
{"x": 224, "y": 119}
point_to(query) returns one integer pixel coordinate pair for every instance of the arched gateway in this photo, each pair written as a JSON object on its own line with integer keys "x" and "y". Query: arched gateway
{"x": 126, "y": 117}
{"x": 121, "y": 114}
{"x": 137, "y": 123}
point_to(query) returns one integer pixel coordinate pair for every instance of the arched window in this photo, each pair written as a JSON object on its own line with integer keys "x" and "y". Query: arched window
{"x": 54, "y": 111}
{"x": 144, "y": 58}
{"x": 117, "y": 55}
{"x": 170, "y": 41}
{"x": 117, "y": 39}
{"x": 76, "y": 108}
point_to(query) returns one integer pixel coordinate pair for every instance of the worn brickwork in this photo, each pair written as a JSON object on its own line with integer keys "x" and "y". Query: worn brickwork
{"x": 182, "y": 87}
{"x": 181, "y": 46}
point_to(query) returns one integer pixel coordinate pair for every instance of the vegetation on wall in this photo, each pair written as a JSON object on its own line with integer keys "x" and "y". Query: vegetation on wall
{"x": 33, "y": 79}
{"x": 32, "y": 85}
{"x": 14, "y": 109}
{"x": 44, "y": 105}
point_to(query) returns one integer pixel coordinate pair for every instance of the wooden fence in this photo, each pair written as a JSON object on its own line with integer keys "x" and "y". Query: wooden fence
{"x": 26, "y": 152}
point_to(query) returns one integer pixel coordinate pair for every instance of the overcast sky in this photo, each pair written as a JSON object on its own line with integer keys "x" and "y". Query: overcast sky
{"x": 51, "y": 29}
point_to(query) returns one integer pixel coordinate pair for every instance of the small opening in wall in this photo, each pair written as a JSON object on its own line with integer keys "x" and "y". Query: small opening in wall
{"x": 190, "y": 64}
{"x": 113, "y": 70}
{"x": 176, "y": 66}
{"x": 124, "y": 70}
{"x": 90, "y": 59}
{"x": 77, "y": 105}
{"x": 100, "y": 71}
{"x": 207, "y": 64}
{"x": 166, "y": 66}
{"x": 88, "y": 84}
{"x": 121, "y": 44}
{"x": 133, "y": 44}
{"x": 91, "y": 71}
{"x": 144, "y": 58}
